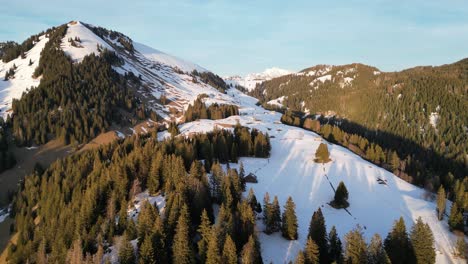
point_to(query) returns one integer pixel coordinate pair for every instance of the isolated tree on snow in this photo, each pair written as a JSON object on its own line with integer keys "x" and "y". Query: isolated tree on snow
{"x": 341, "y": 196}
{"x": 321, "y": 154}
{"x": 289, "y": 221}
{"x": 441, "y": 202}
{"x": 422, "y": 241}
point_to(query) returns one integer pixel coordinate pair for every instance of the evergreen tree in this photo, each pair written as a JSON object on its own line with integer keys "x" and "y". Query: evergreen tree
{"x": 321, "y": 154}
{"x": 355, "y": 247}
{"x": 422, "y": 242}
{"x": 273, "y": 223}
{"x": 311, "y": 252}
{"x": 300, "y": 258}
{"x": 126, "y": 251}
{"x": 318, "y": 233}
{"x": 341, "y": 196}
{"x": 289, "y": 221}
{"x": 456, "y": 218}
{"x": 335, "y": 250}
{"x": 266, "y": 209}
{"x": 441, "y": 202}
{"x": 376, "y": 253}
{"x": 251, "y": 252}
{"x": 212, "y": 255}
{"x": 181, "y": 248}
{"x": 461, "y": 247}
{"x": 205, "y": 232}
{"x": 146, "y": 252}
{"x": 229, "y": 255}
{"x": 397, "y": 244}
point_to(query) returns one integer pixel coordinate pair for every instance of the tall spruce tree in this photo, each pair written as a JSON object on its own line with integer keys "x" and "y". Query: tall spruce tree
{"x": 376, "y": 253}
{"x": 229, "y": 255}
{"x": 289, "y": 221}
{"x": 147, "y": 254}
{"x": 251, "y": 252}
{"x": 398, "y": 245}
{"x": 205, "y": 232}
{"x": 441, "y": 202}
{"x": 126, "y": 252}
{"x": 312, "y": 252}
{"x": 355, "y": 247}
{"x": 335, "y": 246}
{"x": 422, "y": 241}
{"x": 318, "y": 233}
{"x": 456, "y": 218}
{"x": 181, "y": 248}
{"x": 212, "y": 255}
{"x": 274, "y": 217}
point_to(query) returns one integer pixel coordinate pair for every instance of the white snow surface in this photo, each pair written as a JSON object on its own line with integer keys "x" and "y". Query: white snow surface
{"x": 134, "y": 209}
{"x": 163, "y": 58}
{"x": 291, "y": 171}
{"x": 277, "y": 101}
{"x": 88, "y": 44}
{"x": 434, "y": 119}
{"x": 23, "y": 79}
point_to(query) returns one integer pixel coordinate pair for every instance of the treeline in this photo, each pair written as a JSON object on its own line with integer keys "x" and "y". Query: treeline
{"x": 199, "y": 111}
{"x": 211, "y": 79}
{"x": 11, "y": 50}
{"x": 74, "y": 209}
{"x": 73, "y": 102}
{"x": 105, "y": 34}
{"x": 417, "y": 112}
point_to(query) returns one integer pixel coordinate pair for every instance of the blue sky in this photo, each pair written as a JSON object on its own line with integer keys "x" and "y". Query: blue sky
{"x": 242, "y": 36}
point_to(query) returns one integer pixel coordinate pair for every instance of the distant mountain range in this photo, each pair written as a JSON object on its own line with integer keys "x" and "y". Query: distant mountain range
{"x": 251, "y": 80}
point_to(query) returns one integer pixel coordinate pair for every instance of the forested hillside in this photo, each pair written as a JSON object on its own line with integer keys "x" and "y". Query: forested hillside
{"x": 420, "y": 113}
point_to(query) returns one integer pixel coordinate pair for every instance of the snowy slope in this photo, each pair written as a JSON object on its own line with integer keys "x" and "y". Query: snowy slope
{"x": 87, "y": 45}
{"x": 161, "y": 57}
{"x": 291, "y": 171}
{"x": 251, "y": 80}
{"x": 23, "y": 80}
{"x": 161, "y": 73}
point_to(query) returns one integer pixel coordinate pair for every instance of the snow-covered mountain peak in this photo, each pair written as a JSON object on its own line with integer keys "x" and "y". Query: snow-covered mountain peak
{"x": 161, "y": 74}
{"x": 251, "y": 80}
{"x": 268, "y": 74}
